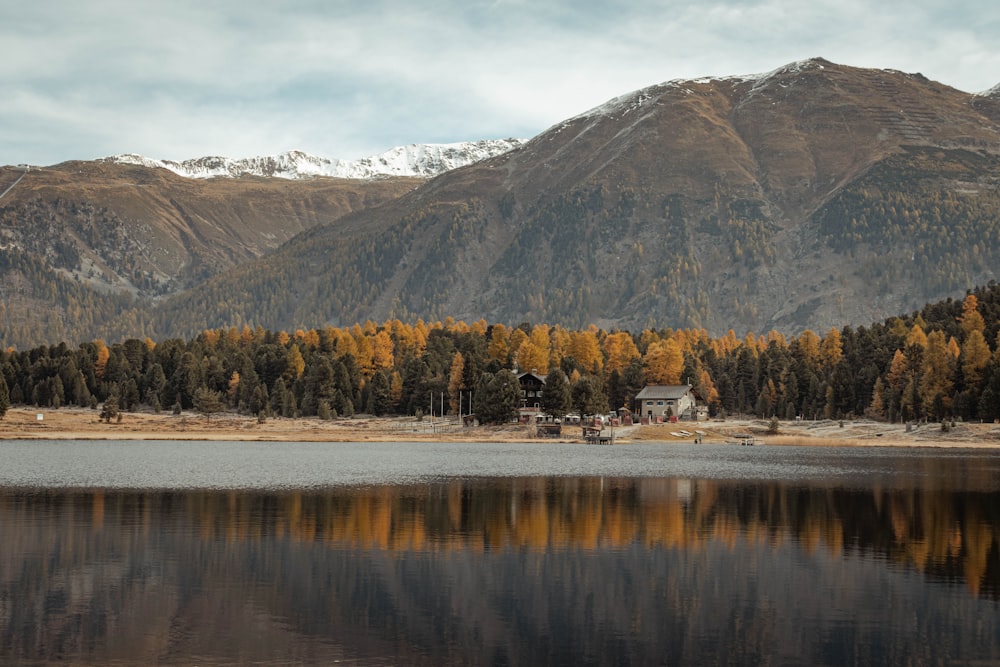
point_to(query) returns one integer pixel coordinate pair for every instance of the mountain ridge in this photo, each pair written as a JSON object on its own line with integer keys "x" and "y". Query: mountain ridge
{"x": 702, "y": 203}
{"x": 411, "y": 160}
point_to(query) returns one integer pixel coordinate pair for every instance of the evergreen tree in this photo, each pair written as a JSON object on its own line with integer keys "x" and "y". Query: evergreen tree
{"x": 110, "y": 410}
{"x": 587, "y": 397}
{"x": 208, "y": 402}
{"x": 497, "y": 397}
{"x": 318, "y": 384}
{"x": 379, "y": 397}
{"x": 556, "y": 395}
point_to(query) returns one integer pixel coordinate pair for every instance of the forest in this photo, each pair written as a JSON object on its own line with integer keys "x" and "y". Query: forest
{"x": 941, "y": 363}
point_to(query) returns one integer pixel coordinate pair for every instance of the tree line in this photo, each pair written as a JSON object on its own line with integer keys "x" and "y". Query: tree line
{"x": 940, "y": 363}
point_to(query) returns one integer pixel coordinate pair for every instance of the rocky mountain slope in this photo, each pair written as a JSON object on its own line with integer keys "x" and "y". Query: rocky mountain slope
{"x": 81, "y": 243}
{"x": 816, "y": 195}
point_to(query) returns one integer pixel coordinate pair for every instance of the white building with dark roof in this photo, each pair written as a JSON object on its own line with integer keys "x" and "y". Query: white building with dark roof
{"x": 661, "y": 401}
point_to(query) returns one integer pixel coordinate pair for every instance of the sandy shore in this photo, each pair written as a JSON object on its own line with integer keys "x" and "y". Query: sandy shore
{"x": 83, "y": 424}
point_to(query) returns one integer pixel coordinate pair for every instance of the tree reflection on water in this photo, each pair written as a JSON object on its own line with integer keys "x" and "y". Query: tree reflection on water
{"x": 522, "y": 570}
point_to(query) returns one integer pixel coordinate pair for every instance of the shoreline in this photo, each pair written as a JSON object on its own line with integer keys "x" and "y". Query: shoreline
{"x": 22, "y": 423}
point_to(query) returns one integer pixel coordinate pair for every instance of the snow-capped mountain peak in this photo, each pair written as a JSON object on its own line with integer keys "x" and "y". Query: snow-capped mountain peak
{"x": 420, "y": 160}
{"x": 992, "y": 92}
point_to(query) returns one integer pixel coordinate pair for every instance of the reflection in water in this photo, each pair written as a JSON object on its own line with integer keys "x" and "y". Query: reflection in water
{"x": 526, "y": 570}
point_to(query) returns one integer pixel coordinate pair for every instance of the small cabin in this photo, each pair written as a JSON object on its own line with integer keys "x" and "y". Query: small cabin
{"x": 660, "y": 403}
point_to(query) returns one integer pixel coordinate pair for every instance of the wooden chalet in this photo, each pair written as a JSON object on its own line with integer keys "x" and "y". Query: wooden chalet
{"x": 532, "y": 385}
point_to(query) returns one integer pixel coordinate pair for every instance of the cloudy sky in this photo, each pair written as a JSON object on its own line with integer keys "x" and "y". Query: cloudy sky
{"x": 176, "y": 79}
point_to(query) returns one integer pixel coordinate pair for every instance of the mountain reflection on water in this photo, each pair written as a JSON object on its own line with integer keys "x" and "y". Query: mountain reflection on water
{"x": 541, "y": 570}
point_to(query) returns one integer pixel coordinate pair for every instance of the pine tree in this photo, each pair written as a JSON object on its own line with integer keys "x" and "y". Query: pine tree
{"x": 110, "y": 410}
{"x": 587, "y": 396}
{"x": 556, "y": 394}
{"x": 207, "y": 402}
{"x": 497, "y": 397}
{"x": 380, "y": 397}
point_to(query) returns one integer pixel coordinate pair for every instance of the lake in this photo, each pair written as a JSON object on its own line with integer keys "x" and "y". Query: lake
{"x": 210, "y": 553}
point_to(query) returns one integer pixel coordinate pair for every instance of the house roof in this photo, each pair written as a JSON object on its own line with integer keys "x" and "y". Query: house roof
{"x": 662, "y": 391}
{"x": 533, "y": 374}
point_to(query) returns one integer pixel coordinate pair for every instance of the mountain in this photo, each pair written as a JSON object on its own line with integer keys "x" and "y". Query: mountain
{"x": 414, "y": 160}
{"x": 812, "y": 196}
{"x": 87, "y": 248}
{"x": 82, "y": 243}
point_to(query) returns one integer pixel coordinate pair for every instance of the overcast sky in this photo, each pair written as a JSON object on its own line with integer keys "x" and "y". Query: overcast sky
{"x": 176, "y": 79}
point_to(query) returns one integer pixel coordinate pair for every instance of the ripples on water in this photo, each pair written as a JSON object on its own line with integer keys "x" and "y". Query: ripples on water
{"x": 451, "y": 553}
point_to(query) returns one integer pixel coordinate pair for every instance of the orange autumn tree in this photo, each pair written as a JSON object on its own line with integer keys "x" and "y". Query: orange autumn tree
{"x": 533, "y": 352}
{"x": 664, "y": 362}
{"x": 619, "y": 351}
{"x": 498, "y": 348}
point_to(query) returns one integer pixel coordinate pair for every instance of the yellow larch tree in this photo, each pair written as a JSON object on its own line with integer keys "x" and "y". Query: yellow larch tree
{"x": 727, "y": 345}
{"x": 619, "y": 351}
{"x": 246, "y": 336}
{"x": 664, "y": 362}
{"x": 210, "y": 337}
{"x": 585, "y": 349}
{"x": 831, "y": 349}
{"x": 706, "y": 388}
{"x": 344, "y": 343}
{"x": 234, "y": 387}
{"x": 517, "y": 337}
{"x": 971, "y": 320}
{"x": 559, "y": 343}
{"x": 899, "y": 371}
{"x": 647, "y": 338}
{"x": 383, "y": 356}
{"x": 366, "y": 355}
{"x": 296, "y": 364}
{"x": 498, "y": 349}
{"x": 974, "y": 357}
{"x": 101, "y": 363}
{"x": 420, "y": 332}
{"x": 455, "y": 382}
{"x": 916, "y": 337}
{"x": 533, "y": 352}
{"x": 808, "y": 343}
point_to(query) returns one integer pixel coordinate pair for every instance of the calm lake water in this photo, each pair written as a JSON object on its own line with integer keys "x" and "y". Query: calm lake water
{"x": 471, "y": 554}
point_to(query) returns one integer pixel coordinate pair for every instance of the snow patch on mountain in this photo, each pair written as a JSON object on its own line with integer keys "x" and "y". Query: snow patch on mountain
{"x": 992, "y": 92}
{"x": 622, "y": 105}
{"x": 419, "y": 160}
